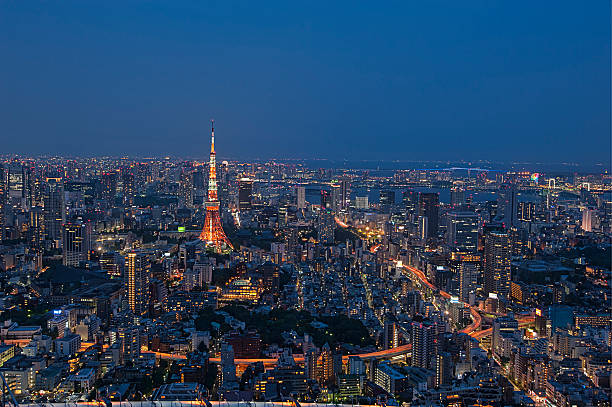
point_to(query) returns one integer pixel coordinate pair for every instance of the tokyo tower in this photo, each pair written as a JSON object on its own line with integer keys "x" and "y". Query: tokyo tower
{"x": 213, "y": 234}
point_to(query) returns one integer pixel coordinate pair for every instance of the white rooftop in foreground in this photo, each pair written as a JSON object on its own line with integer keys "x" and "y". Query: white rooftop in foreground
{"x": 184, "y": 403}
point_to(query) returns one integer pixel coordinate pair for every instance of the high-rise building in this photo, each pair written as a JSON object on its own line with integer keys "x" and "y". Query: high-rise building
{"x": 429, "y": 205}
{"x": 137, "y": 278}
{"x": 497, "y": 269}
{"x": 325, "y": 372}
{"x": 325, "y": 199}
{"x": 19, "y": 186}
{"x": 345, "y": 193}
{"x": 469, "y": 270}
{"x": 76, "y": 243}
{"x": 301, "y": 197}
{"x": 212, "y": 233}
{"x": 444, "y": 369}
{"x": 54, "y": 210}
{"x": 111, "y": 263}
{"x": 391, "y": 333}
{"x": 326, "y": 226}
{"x": 336, "y": 197}
{"x": 462, "y": 231}
{"x": 386, "y": 200}
{"x": 507, "y": 204}
{"x": 228, "y": 368}
{"x": 186, "y": 189}
{"x": 457, "y": 197}
{"x": 410, "y": 199}
{"x": 362, "y": 202}
{"x": 36, "y": 233}
{"x": 109, "y": 186}
{"x": 526, "y": 211}
{"x": 502, "y": 324}
{"x": 423, "y": 344}
{"x": 245, "y": 194}
{"x": 128, "y": 185}
{"x": 130, "y": 342}
{"x": 587, "y": 220}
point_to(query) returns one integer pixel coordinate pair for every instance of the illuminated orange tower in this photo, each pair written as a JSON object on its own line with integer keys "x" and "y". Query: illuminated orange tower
{"x": 213, "y": 234}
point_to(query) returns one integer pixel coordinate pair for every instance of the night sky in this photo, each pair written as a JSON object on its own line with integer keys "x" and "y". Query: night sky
{"x": 406, "y": 80}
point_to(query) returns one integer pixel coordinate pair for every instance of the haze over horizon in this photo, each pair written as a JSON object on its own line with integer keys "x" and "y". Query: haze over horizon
{"x": 414, "y": 82}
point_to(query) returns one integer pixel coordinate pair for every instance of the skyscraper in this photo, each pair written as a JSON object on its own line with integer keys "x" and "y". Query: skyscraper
{"x": 507, "y": 204}
{"x": 423, "y": 344}
{"x": 245, "y": 194}
{"x": 457, "y": 197}
{"x": 429, "y": 204}
{"x": 497, "y": 267}
{"x": 300, "y": 197}
{"x": 462, "y": 231}
{"x": 76, "y": 243}
{"x": 469, "y": 270}
{"x": 325, "y": 226}
{"x": 137, "y": 276}
{"x": 54, "y": 210}
{"x": 387, "y": 199}
{"x": 212, "y": 233}
{"x": 526, "y": 211}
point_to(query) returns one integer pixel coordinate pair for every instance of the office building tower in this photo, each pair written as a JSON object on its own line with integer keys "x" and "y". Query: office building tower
{"x": 587, "y": 220}
{"x": 245, "y": 194}
{"x": 526, "y": 211}
{"x": 386, "y": 200}
{"x": 462, "y": 231}
{"x": 423, "y": 344}
{"x": 362, "y": 202}
{"x": 36, "y": 232}
{"x": 213, "y": 234}
{"x": 507, "y": 204}
{"x": 326, "y": 225}
{"x": 137, "y": 278}
{"x": 469, "y": 270}
{"x": 109, "y": 187}
{"x": 19, "y": 186}
{"x": 186, "y": 189}
{"x": 128, "y": 185}
{"x": 300, "y": 197}
{"x": 500, "y": 325}
{"x": 410, "y": 200}
{"x": 335, "y": 194}
{"x": 325, "y": 373}
{"x": 497, "y": 252}
{"x": 391, "y": 332}
{"x": 429, "y": 205}
{"x": 54, "y": 208}
{"x": 325, "y": 199}
{"x": 345, "y": 193}
{"x": 444, "y": 369}
{"x": 129, "y": 336}
{"x": 76, "y": 243}
{"x": 270, "y": 273}
{"x": 111, "y": 263}
{"x": 457, "y": 197}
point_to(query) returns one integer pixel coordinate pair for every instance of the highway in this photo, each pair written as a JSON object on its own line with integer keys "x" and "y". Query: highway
{"x": 380, "y": 354}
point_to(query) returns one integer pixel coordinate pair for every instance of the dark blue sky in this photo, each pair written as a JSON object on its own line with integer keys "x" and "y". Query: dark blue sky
{"x": 499, "y": 80}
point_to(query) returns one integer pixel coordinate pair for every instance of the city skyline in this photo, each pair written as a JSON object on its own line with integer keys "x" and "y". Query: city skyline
{"x": 394, "y": 205}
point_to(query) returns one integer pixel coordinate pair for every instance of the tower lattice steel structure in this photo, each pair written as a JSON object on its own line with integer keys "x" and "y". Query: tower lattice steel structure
{"x": 213, "y": 234}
